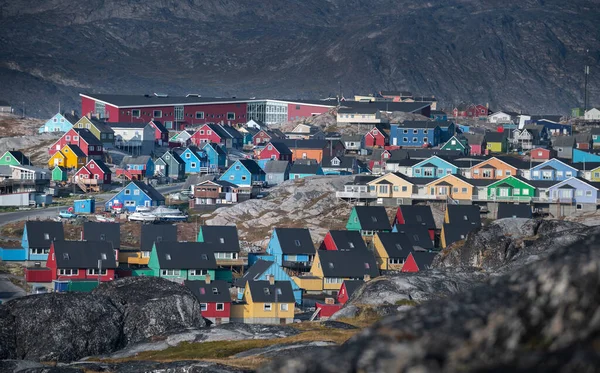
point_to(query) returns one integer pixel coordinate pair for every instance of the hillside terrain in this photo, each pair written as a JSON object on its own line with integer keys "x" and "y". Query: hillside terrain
{"x": 519, "y": 55}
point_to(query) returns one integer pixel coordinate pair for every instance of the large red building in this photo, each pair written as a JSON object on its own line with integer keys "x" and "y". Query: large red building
{"x": 180, "y": 112}
{"x": 80, "y": 260}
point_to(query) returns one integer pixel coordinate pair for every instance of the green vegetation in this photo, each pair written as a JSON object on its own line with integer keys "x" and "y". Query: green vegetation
{"x": 406, "y": 302}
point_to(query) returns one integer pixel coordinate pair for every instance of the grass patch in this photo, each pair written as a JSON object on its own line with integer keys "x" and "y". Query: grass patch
{"x": 405, "y": 302}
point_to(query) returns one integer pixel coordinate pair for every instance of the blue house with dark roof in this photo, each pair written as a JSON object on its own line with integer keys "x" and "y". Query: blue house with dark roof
{"x": 195, "y": 159}
{"x": 134, "y": 194}
{"x": 292, "y": 248}
{"x": 552, "y": 169}
{"x": 433, "y": 167}
{"x": 38, "y": 236}
{"x": 301, "y": 170}
{"x": 260, "y": 271}
{"x": 416, "y": 133}
{"x": 216, "y": 155}
{"x": 59, "y": 123}
{"x": 244, "y": 172}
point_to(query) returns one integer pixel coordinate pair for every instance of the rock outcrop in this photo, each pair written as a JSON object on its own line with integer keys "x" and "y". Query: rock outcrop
{"x": 67, "y": 327}
{"x": 542, "y": 316}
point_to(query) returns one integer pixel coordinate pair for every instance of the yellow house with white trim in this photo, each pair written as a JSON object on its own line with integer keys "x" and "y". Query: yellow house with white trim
{"x": 70, "y": 156}
{"x": 265, "y": 302}
{"x": 391, "y": 185}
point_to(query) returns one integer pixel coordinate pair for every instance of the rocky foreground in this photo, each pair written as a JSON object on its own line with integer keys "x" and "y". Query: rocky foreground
{"x": 535, "y": 309}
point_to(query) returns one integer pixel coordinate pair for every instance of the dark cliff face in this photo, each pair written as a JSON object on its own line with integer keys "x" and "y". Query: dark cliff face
{"x": 525, "y": 55}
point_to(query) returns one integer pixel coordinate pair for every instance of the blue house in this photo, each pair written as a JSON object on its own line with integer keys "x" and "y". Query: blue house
{"x": 552, "y": 169}
{"x": 244, "y": 172}
{"x": 134, "y": 194}
{"x": 137, "y": 167}
{"x": 301, "y": 170}
{"x": 38, "y": 236}
{"x": 292, "y": 248}
{"x": 447, "y": 130}
{"x": 554, "y": 128}
{"x": 580, "y": 156}
{"x": 8, "y": 253}
{"x": 59, "y": 123}
{"x": 216, "y": 155}
{"x": 433, "y": 167}
{"x": 574, "y": 190}
{"x": 260, "y": 271}
{"x": 415, "y": 134}
{"x": 438, "y": 115}
{"x": 194, "y": 159}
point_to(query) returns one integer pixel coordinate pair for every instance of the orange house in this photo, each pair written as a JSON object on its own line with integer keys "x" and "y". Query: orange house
{"x": 450, "y": 186}
{"x": 493, "y": 169}
{"x": 314, "y": 149}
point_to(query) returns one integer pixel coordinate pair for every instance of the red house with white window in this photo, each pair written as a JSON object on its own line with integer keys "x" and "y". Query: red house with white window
{"x": 214, "y": 299}
{"x": 95, "y": 170}
{"x": 376, "y": 137}
{"x": 82, "y": 137}
{"x": 161, "y": 133}
{"x": 542, "y": 154}
{"x": 82, "y": 260}
{"x": 276, "y": 151}
{"x": 470, "y": 111}
{"x": 207, "y": 133}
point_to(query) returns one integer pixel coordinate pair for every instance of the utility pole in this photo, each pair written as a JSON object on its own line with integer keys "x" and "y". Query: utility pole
{"x": 586, "y": 72}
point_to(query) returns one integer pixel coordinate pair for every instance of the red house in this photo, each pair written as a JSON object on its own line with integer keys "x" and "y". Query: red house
{"x": 214, "y": 299}
{"x": 470, "y": 111}
{"x": 264, "y": 136}
{"x": 327, "y": 309}
{"x": 82, "y": 137}
{"x": 95, "y": 170}
{"x": 418, "y": 261}
{"x": 343, "y": 241}
{"x": 161, "y": 133}
{"x": 376, "y": 137}
{"x": 207, "y": 133}
{"x": 542, "y": 154}
{"x": 416, "y": 215}
{"x": 79, "y": 260}
{"x": 276, "y": 151}
{"x": 348, "y": 288}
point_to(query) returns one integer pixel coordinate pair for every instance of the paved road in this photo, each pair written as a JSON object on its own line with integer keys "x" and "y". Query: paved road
{"x": 9, "y": 217}
{"x": 8, "y": 290}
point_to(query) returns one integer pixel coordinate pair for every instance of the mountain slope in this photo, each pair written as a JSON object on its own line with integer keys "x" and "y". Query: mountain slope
{"x": 518, "y": 54}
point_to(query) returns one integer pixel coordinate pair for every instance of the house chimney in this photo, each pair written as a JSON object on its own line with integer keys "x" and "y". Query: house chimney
{"x": 73, "y": 112}
{"x": 207, "y": 278}
{"x": 271, "y": 280}
{"x": 367, "y": 278}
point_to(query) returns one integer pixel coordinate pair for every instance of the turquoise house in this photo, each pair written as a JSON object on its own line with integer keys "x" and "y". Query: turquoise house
{"x": 180, "y": 261}
{"x": 244, "y": 172}
{"x": 260, "y": 271}
{"x": 302, "y": 170}
{"x": 59, "y": 123}
{"x": 195, "y": 159}
{"x": 136, "y": 193}
{"x": 38, "y": 236}
{"x": 216, "y": 155}
{"x": 580, "y": 156}
{"x": 433, "y": 167}
{"x": 8, "y": 254}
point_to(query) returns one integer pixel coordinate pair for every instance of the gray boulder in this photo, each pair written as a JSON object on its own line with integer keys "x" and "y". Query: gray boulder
{"x": 152, "y": 306}
{"x": 542, "y": 317}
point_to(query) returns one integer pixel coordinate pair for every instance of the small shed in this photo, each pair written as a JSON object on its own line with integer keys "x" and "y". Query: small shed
{"x": 59, "y": 173}
{"x": 84, "y": 206}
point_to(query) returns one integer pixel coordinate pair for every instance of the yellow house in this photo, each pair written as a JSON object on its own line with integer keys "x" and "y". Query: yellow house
{"x": 70, "y": 156}
{"x": 450, "y": 186}
{"x": 134, "y": 256}
{"x": 595, "y": 174}
{"x": 265, "y": 302}
{"x": 391, "y": 250}
{"x": 391, "y": 185}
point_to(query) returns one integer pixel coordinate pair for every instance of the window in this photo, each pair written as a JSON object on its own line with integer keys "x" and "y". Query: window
{"x": 267, "y": 307}
{"x": 157, "y": 114}
{"x": 454, "y": 190}
{"x": 498, "y": 172}
{"x": 525, "y": 192}
{"x": 588, "y": 193}
{"x": 94, "y": 271}
{"x": 396, "y": 188}
{"x": 127, "y": 192}
{"x": 199, "y": 115}
{"x": 230, "y": 116}
{"x": 405, "y": 139}
{"x": 579, "y": 193}
{"x": 46, "y": 236}
{"x": 135, "y": 113}
{"x": 425, "y": 132}
{"x": 517, "y": 192}
{"x": 68, "y": 138}
{"x": 283, "y": 306}
{"x": 170, "y": 272}
{"x": 203, "y": 307}
{"x": 178, "y": 112}
{"x": 136, "y": 192}
{"x": 415, "y": 139}
{"x": 405, "y": 131}
{"x": 244, "y": 177}
{"x": 568, "y": 174}
{"x": 220, "y": 307}
{"x": 487, "y": 173}
{"x": 68, "y": 272}
{"x": 404, "y": 188}
{"x": 464, "y": 190}
{"x": 475, "y": 172}
{"x": 198, "y": 272}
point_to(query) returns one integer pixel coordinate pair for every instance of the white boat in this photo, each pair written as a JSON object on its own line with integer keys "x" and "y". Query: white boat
{"x": 104, "y": 219}
{"x": 143, "y": 209}
{"x": 142, "y": 216}
{"x": 169, "y": 214}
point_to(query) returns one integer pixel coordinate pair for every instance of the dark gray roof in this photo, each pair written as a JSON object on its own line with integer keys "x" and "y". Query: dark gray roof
{"x": 419, "y": 124}
{"x": 495, "y": 136}
{"x": 426, "y": 153}
{"x": 373, "y": 218}
{"x": 156, "y": 232}
{"x": 352, "y": 285}
{"x": 295, "y": 241}
{"x": 149, "y": 190}
{"x": 40, "y": 234}
{"x": 173, "y": 154}
{"x": 417, "y": 234}
{"x": 101, "y": 125}
{"x": 345, "y": 162}
{"x": 254, "y": 273}
{"x": 224, "y": 236}
{"x": 307, "y": 169}
{"x": 515, "y": 162}
{"x": 140, "y": 159}
{"x": 281, "y": 148}
{"x": 418, "y": 215}
{"x": 563, "y": 141}
{"x": 264, "y": 292}
{"x": 84, "y": 254}
{"x": 185, "y": 255}
{"x": 358, "y": 110}
{"x": 76, "y": 150}
{"x": 275, "y": 166}
{"x": 396, "y": 245}
{"x": 127, "y": 125}
{"x": 4, "y": 103}
{"x": 102, "y": 166}
{"x": 362, "y": 179}
{"x": 87, "y": 136}
{"x": 511, "y": 210}
{"x": 424, "y": 259}
{"x": 458, "y": 231}
{"x": 19, "y": 156}
{"x": 161, "y": 127}
{"x": 109, "y": 232}
{"x": 348, "y": 240}
{"x": 251, "y": 166}
{"x": 216, "y": 291}
{"x": 474, "y": 138}
{"x": 464, "y": 213}
{"x": 153, "y": 100}
{"x": 352, "y": 264}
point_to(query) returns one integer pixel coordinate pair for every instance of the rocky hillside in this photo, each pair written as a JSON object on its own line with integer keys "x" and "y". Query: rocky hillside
{"x": 540, "y": 315}
{"x": 521, "y": 54}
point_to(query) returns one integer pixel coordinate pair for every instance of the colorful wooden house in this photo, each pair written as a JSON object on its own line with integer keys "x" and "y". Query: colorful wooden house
{"x": 180, "y": 261}
{"x": 70, "y": 156}
{"x": 454, "y": 143}
{"x": 216, "y": 155}
{"x": 418, "y": 261}
{"x": 84, "y": 139}
{"x": 150, "y": 234}
{"x": 14, "y": 158}
{"x": 391, "y": 185}
{"x": 340, "y": 240}
{"x": 262, "y": 270}
{"x": 244, "y": 172}
{"x": 447, "y": 130}
{"x": 95, "y": 172}
{"x": 37, "y": 237}
{"x": 99, "y": 129}
{"x": 161, "y": 133}
{"x": 214, "y": 299}
{"x": 59, "y": 173}
{"x": 595, "y": 132}
{"x": 552, "y": 169}
{"x": 332, "y": 268}
{"x": 347, "y": 289}
{"x": 477, "y": 144}
{"x": 136, "y": 168}
{"x": 218, "y": 192}
{"x": 276, "y": 151}
{"x": 589, "y": 171}
{"x": 265, "y": 302}
{"x": 492, "y": 169}
{"x": 454, "y": 187}
{"x": 368, "y": 220}
{"x": 511, "y": 188}
{"x": 564, "y": 146}
{"x": 416, "y": 215}
{"x": 276, "y": 172}
{"x": 226, "y": 247}
{"x": 300, "y": 170}
{"x": 292, "y": 248}
{"x": 376, "y": 137}
{"x": 496, "y": 142}
{"x": 542, "y": 154}
{"x": 433, "y": 167}
{"x": 82, "y": 260}
{"x": 314, "y": 149}
{"x": 391, "y": 250}
{"x": 170, "y": 165}
{"x": 59, "y": 123}
{"x": 263, "y": 136}
{"x": 416, "y": 134}
{"x": 134, "y": 194}
{"x": 456, "y": 231}
{"x": 574, "y": 191}
{"x": 217, "y": 133}
{"x": 195, "y": 160}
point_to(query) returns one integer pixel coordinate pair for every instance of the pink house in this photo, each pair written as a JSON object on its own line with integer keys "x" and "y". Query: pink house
{"x": 476, "y": 143}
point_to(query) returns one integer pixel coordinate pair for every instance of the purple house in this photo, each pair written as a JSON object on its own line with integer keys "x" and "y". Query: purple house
{"x": 574, "y": 190}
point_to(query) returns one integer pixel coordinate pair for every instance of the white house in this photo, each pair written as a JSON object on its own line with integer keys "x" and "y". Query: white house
{"x": 502, "y": 117}
{"x": 592, "y": 114}
{"x": 134, "y": 135}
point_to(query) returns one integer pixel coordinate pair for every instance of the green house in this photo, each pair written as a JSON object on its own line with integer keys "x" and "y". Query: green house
{"x": 369, "y": 220}
{"x": 59, "y": 173}
{"x": 180, "y": 261}
{"x": 511, "y": 189}
{"x": 101, "y": 130}
{"x": 457, "y": 144}
{"x": 14, "y": 158}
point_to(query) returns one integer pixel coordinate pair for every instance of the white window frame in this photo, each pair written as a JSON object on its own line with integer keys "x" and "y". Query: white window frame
{"x": 267, "y": 307}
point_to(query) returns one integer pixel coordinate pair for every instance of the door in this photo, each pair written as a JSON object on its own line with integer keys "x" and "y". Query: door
{"x": 282, "y": 321}
{"x": 492, "y": 193}
{"x": 147, "y": 203}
